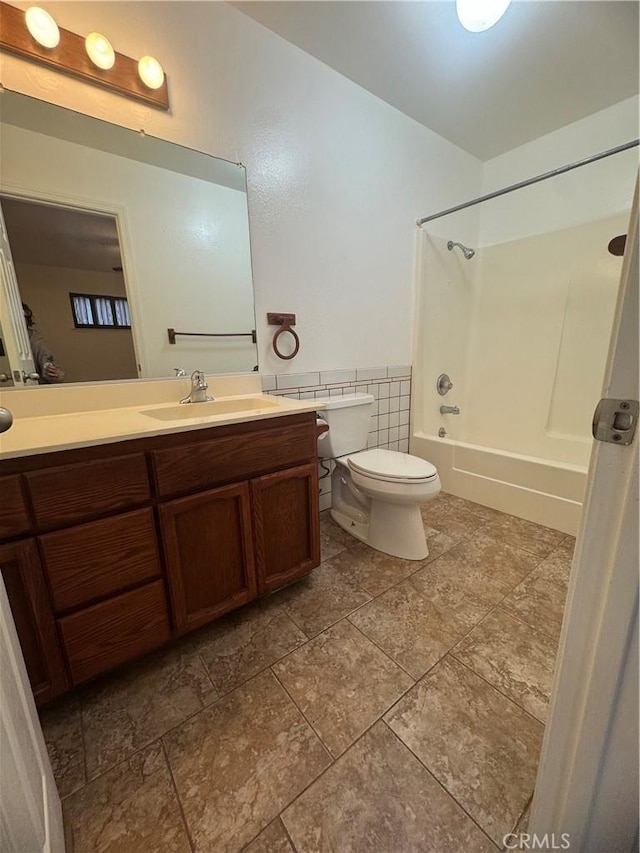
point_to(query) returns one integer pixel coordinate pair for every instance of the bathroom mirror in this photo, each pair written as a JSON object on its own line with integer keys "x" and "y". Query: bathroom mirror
{"x": 6, "y": 379}
{"x": 112, "y": 238}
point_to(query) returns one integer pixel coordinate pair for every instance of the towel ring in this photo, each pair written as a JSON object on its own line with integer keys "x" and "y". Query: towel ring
{"x": 281, "y": 331}
{"x": 285, "y": 321}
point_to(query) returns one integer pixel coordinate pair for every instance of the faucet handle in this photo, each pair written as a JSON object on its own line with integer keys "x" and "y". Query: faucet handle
{"x": 180, "y": 371}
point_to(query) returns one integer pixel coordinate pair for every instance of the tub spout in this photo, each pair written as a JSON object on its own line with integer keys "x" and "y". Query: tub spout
{"x": 449, "y": 410}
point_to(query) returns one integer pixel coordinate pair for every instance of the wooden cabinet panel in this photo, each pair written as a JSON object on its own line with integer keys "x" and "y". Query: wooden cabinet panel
{"x": 101, "y": 637}
{"x": 209, "y": 554}
{"x": 286, "y": 525}
{"x": 27, "y": 593}
{"x": 71, "y": 493}
{"x": 101, "y": 558}
{"x": 191, "y": 467}
{"x": 14, "y": 518}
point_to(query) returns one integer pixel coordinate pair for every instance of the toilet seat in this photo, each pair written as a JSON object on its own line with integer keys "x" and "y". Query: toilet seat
{"x": 392, "y": 466}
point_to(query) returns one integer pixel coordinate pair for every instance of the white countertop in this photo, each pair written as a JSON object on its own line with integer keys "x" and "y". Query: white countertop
{"x": 65, "y": 431}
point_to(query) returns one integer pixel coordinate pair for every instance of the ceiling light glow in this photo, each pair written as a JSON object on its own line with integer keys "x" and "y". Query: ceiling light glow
{"x": 479, "y": 15}
{"x": 151, "y": 72}
{"x": 99, "y": 51}
{"x": 42, "y": 27}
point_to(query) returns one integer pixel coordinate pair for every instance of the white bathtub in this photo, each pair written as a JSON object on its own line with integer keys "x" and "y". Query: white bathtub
{"x": 539, "y": 490}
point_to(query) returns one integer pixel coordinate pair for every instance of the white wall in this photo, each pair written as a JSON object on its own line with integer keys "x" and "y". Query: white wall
{"x": 336, "y": 177}
{"x": 591, "y": 192}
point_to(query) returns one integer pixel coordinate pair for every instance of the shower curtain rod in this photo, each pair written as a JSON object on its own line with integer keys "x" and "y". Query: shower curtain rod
{"x": 529, "y": 181}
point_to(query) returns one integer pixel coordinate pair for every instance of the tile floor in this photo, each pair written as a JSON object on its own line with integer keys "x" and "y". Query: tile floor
{"x": 376, "y": 706}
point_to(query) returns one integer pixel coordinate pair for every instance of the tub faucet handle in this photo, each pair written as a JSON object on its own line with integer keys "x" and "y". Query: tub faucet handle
{"x": 443, "y": 384}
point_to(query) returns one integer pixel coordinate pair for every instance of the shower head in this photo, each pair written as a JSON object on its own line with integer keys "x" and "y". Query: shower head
{"x": 468, "y": 253}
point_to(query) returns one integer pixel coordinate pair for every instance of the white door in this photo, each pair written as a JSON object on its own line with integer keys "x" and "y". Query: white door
{"x": 588, "y": 777}
{"x": 30, "y": 810}
{"x": 16, "y": 337}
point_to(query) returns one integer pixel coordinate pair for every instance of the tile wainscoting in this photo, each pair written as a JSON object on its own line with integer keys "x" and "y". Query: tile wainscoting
{"x": 390, "y": 386}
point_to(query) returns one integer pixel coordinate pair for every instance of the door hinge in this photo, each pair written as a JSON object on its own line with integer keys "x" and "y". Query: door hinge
{"x": 615, "y": 421}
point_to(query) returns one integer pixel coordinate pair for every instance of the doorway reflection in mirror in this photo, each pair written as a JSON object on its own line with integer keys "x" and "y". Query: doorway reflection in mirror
{"x": 59, "y": 252}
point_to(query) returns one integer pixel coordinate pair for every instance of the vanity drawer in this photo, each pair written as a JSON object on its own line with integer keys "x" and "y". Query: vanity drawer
{"x": 14, "y": 518}
{"x": 71, "y": 493}
{"x": 103, "y": 636}
{"x": 192, "y": 467}
{"x": 100, "y": 558}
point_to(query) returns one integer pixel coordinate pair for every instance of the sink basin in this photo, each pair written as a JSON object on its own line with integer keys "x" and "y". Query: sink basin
{"x": 189, "y": 411}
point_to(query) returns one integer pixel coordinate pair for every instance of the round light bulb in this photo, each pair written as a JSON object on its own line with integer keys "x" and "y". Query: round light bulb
{"x": 479, "y": 15}
{"x": 99, "y": 51}
{"x": 42, "y": 27}
{"x": 151, "y": 72}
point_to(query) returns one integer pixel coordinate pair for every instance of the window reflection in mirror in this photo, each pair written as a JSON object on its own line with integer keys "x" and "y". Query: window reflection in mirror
{"x": 59, "y": 252}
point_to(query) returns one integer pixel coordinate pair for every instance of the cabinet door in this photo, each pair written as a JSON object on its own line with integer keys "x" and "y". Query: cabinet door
{"x": 286, "y": 525}
{"x": 209, "y": 554}
{"x": 32, "y": 614}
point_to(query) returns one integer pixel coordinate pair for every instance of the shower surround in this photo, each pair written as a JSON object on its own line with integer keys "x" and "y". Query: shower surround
{"x": 523, "y": 331}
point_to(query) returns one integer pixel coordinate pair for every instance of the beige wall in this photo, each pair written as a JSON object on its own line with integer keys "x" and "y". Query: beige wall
{"x": 85, "y": 354}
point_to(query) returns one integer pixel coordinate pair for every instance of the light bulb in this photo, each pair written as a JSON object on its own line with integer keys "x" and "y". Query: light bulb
{"x": 479, "y": 15}
{"x": 42, "y": 27}
{"x": 151, "y": 72}
{"x": 99, "y": 51}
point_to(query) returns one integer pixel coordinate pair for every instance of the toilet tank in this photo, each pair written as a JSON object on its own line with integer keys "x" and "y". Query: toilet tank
{"x": 348, "y": 418}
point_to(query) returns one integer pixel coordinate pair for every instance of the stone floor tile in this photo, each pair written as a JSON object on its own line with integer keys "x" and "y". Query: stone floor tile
{"x": 333, "y": 539}
{"x": 516, "y": 659}
{"x": 62, "y": 729}
{"x": 131, "y": 808}
{"x": 457, "y": 520}
{"x": 244, "y": 643}
{"x": 239, "y": 762}
{"x": 485, "y": 512}
{"x": 378, "y": 798}
{"x": 321, "y": 598}
{"x": 273, "y": 839}
{"x": 473, "y": 576}
{"x": 527, "y": 535}
{"x": 342, "y": 683}
{"x": 372, "y": 570}
{"x": 406, "y": 625}
{"x": 482, "y": 747}
{"x": 135, "y": 705}
{"x": 539, "y": 600}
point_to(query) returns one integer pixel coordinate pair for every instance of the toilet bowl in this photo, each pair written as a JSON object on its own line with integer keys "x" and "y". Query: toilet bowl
{"x": 376, "y": 494}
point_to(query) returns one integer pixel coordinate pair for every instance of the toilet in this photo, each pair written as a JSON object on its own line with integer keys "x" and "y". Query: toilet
{"x": 375, "y": 494}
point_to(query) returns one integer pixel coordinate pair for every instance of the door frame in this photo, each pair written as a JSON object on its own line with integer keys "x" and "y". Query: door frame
{"x": 587, "y": 782}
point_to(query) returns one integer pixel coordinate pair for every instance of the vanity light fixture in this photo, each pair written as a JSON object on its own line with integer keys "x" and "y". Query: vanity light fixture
{"x": 151, "y": 72}
{"x": 479, "y": 15}
{"x": 42, "y": 27}
{"x": 99, "y": 51}
{"x": 35, "y": 36}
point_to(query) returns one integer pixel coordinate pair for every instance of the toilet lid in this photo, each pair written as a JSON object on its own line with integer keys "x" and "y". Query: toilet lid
{"x": 392, "y": 465}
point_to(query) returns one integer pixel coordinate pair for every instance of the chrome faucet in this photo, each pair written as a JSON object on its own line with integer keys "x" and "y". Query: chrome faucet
{"x": 198, "y": 393}
{"x": 449, "y": 410}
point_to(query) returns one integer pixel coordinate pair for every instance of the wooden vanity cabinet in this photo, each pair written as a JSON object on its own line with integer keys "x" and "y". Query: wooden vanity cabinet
{"x": 209, "y": 554}
{"x": 286, "y": 525}
{"x": 35, "y": 624}
{"x": 110, "y": 551}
